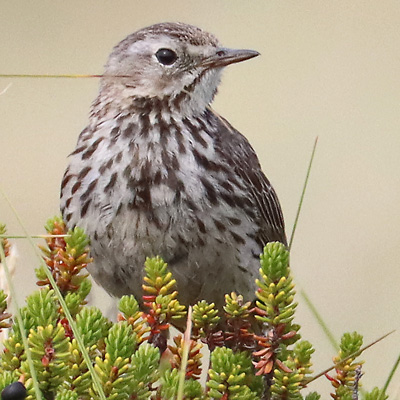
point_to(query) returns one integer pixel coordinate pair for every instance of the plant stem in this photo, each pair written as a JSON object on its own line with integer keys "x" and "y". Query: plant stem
{"x": 32, "y": 236}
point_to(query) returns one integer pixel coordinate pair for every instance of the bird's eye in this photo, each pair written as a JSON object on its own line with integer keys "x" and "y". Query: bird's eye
{"x": 166, "y": 56}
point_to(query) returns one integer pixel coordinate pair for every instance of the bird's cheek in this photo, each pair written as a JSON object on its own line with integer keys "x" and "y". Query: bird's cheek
{"x": 166, "y": 86}
{"x": 162, "y": 84}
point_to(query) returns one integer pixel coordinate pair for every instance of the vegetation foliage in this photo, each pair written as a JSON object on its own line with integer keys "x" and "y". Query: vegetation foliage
{"x": 256, "y": 350}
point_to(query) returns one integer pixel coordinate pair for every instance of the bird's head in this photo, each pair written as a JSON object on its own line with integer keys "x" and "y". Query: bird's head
{"x": 170, "y": 58}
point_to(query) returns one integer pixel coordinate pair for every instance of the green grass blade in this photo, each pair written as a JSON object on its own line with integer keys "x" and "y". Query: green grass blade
{"x": 311, "y": 306}
{"x": 14, "y": 301}
{"x": 320, "y": 320}
{"x": 185, "y": 354}
{"x": 388, "y": 380}
{"x": 68, "y": 315}
{"x": 296, "y": 220}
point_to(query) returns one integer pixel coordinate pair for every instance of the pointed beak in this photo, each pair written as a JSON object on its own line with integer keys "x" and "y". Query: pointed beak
{"x": 224, "y": 57}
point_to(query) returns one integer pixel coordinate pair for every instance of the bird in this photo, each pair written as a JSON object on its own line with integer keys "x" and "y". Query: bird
{"x": 157, "y": 172}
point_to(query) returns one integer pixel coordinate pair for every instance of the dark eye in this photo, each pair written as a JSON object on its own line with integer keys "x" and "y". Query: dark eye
{"x": 166, "y": 56}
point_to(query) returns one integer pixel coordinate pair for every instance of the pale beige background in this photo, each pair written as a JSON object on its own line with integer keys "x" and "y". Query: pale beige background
{"x": 328, "y": 68}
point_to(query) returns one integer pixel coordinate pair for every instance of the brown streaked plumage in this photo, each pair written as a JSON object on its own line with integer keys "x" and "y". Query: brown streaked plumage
{"x": 158, "y": 172}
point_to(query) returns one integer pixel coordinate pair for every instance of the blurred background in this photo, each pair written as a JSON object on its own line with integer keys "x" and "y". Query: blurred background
{"x": 328, "y": 69}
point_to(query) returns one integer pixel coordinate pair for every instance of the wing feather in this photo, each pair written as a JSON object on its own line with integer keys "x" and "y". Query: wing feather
{"x": 247, "y": 166}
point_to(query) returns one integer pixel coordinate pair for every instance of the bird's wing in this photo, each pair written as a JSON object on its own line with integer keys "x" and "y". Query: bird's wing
{"x": 247, "y": 166}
